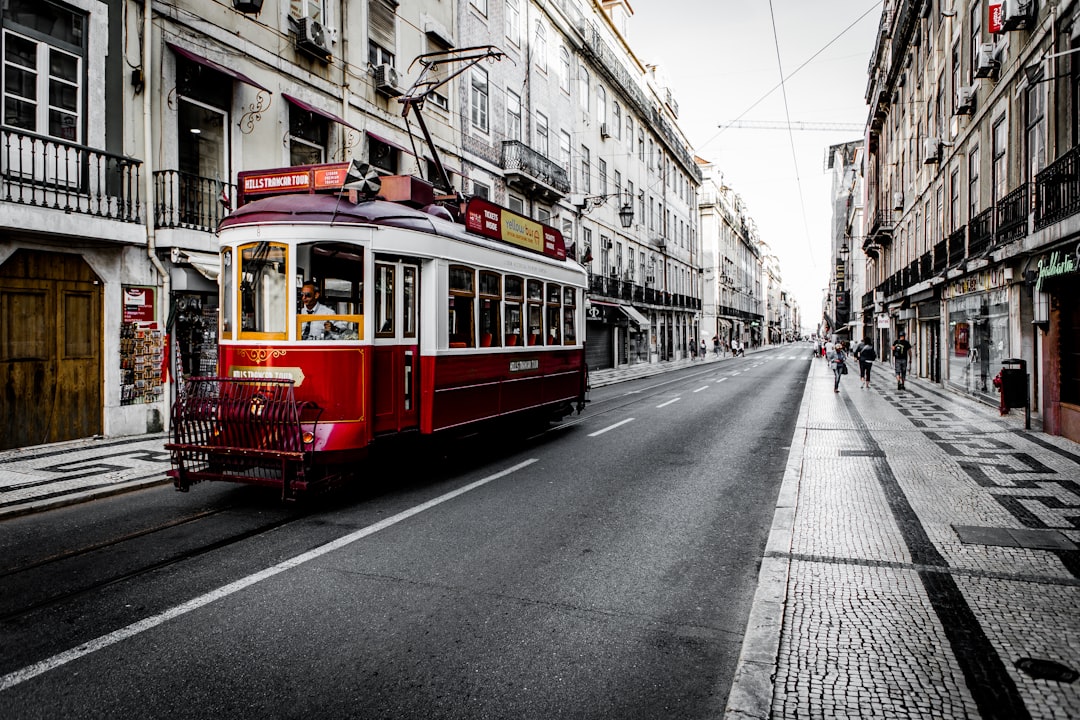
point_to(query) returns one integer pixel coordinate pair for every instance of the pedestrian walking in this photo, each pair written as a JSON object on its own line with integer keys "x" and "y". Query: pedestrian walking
{"x": 866, "y": 355}
{"x": 901, "y": 353}
{"x": 691, "y": 348}
{"x": 839, "y": 365}
{"x": 703, "y": 351}
{"x": 716, "y": 345}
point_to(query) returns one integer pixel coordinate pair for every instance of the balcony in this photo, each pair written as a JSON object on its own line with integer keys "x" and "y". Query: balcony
{"x": 1012, "y": 215}
{"x": 941, "y": 255}
{"x": 981, "y": 232}
{"x": 188, "y": 201}
{"x": 50, "y": 173}
{"x": 1057, "y": 190}
{"x": 957, "y": 245}
{"x": 533, "y": 173}
{"x": 926, "y": 265}
{"x": 881, "y": 228}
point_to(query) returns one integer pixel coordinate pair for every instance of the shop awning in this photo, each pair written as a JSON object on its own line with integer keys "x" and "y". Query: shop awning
{"x": 208, "y": 63}
{"x": 637, "y": 318}
{"x": 723, "y": 323}
{"x": 207, "y": 264}
{"x": 317, "y": 111}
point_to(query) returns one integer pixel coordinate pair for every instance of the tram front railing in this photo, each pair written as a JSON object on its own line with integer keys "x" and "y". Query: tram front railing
{"x": 242, "y": 430}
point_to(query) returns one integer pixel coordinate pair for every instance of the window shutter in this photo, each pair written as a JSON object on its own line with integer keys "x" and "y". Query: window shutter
{"x": 381, "y": 28}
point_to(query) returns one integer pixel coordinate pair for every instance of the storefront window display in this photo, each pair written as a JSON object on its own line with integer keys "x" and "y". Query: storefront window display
{"x": 979, "y": 341}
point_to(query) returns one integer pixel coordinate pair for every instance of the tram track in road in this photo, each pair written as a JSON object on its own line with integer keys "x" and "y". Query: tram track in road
{"x": 87, "y": 589}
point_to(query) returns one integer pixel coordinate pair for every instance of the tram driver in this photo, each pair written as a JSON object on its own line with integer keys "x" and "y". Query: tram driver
{"x": 310, "y": 305}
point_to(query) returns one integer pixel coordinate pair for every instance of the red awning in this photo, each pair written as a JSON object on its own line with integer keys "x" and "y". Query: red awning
{"x": 207, "y": 63}
{"x": 316, "y": 111}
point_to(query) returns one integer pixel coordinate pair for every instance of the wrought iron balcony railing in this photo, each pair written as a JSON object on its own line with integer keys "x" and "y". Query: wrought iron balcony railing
{"x": 50, "y": 173}
{"x": 957, "y": 245}
{"x": 1057, "y": 190}
{"x": 981, "y": 232}
{"x": 1012, "y": 215}
{"x": 182, "y": 200}
{"x": 519, "y": 157}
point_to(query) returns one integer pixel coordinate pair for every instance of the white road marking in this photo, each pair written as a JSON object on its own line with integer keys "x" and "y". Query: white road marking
{"x": 31, "y": 671}
{"x": 720, "y": 380}
{"x": 611, "y": 427}
{"x": 735, "y": 373}
{"x": 673, "y": 400}
{"x": 703, "y": 387}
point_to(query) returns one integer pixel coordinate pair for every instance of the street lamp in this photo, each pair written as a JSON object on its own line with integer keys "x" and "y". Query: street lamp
{"x": 626, "y": 210}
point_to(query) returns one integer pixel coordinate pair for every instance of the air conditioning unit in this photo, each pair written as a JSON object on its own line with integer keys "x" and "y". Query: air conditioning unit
{"x": 386, "y": 80}
{"x": 1015, "y": 14}
{"x": 604, "y": 131}
{"x": 606, "y": 244}
{"x": 965, "y": 100}
{"x": 931, "y": 150}
{"x": 898, "y": 201}
{"x": 311, "y": 38}
{"x": 985, "y": 64}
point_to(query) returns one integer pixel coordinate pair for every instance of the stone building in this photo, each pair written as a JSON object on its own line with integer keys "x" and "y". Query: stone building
{"x": 971, "y": 175}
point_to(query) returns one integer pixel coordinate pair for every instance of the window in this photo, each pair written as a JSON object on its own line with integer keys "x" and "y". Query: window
{"x": 630, "y": 130}
{"x": 490, "y": 304}
{"x": 264, "y": 290}
{"x": 616, "y": 120}
{"x": 481, "y": 190}
{"x": 460, "y": 305}
{"x": 478, "y": 99}
{"x": 382, "y": 155}
{"x": 535, "y": 300}
{"x": 542, "y": 134}
{"x": 512, "y": 310}
{"x": 203, "y": 100}
{"x": 583, "y": 88}
{"x": 564, "y": 69}
{"x": 569, "y": 328}
{"x": 601, "y": 171}
{"x": 617, "y": 181}
{"x": 564, "y": 151}
{"x": 513, "y": 116}
{"x": 409, "y": 296}
{"x": 956, "y": 75}
{"x": 954, "y": 200}
{"x": 513, "y": 21}
{"x": 339, "y": 269}
{"x": 308, "y": 134}
{"x": 1035, "y": 130}
{"x": 586, "y": 170}
{"x": 976, "y": 38}
{"x": 601, "y": 103}
{"x": 382, "y": 32}
{"x": 384, "y": 300}
{"x": 306, "y": 9}
{"x": 480, "y": 5}
{"x": 516, "y": 204}
{"x": 998, "y": 172}
{"x": 554, "y": 314}
{"x": 540, "y": 47}
{"x": 43, "y": 70}
{"x": 641, "y": 144}
{"x": 973, "y": 182}
{"x": 438, "y": 73}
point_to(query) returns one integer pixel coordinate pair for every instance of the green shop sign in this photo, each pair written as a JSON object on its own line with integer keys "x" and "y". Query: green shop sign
{"x": 1057, "y": 264}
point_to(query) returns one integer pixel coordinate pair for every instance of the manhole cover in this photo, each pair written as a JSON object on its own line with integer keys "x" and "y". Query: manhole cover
{"x": 1047, "y": 670}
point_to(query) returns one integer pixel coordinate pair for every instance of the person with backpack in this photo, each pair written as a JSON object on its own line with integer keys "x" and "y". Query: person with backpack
{"x": 901, "y": 353}
{"x": 866, "y": 356}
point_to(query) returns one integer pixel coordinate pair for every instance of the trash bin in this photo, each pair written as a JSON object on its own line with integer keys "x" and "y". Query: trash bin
{"x": 1014, "y": 383}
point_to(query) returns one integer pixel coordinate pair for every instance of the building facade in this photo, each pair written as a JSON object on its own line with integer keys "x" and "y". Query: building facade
{"x": 971, "y": 169}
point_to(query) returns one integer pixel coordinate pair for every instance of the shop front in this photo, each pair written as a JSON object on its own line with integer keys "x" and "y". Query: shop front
{"x": 978, "y": 333}
{"x": 1057, "y": 312}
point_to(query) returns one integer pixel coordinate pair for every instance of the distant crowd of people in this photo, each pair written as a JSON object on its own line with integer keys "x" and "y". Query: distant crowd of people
{"x": 836, "y": 352}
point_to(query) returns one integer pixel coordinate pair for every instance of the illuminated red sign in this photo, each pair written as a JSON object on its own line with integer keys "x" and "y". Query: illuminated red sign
{"x": 490, "y": 220}
{"x": 301, "y": 179}
{"x": 995, "y": 22}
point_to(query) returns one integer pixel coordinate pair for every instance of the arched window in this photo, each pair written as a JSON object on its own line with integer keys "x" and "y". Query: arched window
{"x": 601, "y": 104}
{"x": 616, "y": 120}
{"x": 540, "y": 47}
{"x": 583, "y": 88}
{"x": 564, "y": 69}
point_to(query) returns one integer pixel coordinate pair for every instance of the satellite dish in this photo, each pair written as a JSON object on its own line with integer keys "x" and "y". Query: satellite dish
{"x": 363, "y": 178}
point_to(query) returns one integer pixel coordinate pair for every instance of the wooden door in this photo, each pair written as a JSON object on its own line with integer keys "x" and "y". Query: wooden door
{"x": 51, "y": 308}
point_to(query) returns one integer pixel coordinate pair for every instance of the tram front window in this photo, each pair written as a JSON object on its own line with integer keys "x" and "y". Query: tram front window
{"x": 263, "y": 289}
{"x": 337, "y": 272}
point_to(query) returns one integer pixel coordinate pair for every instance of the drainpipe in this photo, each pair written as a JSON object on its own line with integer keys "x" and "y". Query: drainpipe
{"x": 148, "y": 179}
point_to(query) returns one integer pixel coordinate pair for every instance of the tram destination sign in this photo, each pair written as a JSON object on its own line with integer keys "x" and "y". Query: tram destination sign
{"x": 488, "y": 219}
{"x": 300, "y": 179}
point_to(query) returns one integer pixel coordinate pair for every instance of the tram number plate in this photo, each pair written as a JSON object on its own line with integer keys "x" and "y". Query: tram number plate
{"x": 522, "y": 365}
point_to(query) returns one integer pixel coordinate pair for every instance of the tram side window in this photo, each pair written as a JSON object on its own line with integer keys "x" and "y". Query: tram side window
{"x": 554, "y": 313}
{"x": 569, "y": 316}
{"x": 384, "y": 300}
{"x": 408, "y": 291}
{"x": 338, "y": 272}
{"x": 460, "y": 303}
{"x": 535, "y": 298}
{"x": 264, "y": 290}
{"x": 490, "y": 302}
{"x": 514, "y": 286}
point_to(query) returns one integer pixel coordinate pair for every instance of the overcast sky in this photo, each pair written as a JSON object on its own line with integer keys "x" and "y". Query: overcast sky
{"x": 720, "y": 58}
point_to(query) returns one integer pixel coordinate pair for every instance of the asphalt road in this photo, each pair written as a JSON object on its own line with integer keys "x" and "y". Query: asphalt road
{"x": 603, "y": 569}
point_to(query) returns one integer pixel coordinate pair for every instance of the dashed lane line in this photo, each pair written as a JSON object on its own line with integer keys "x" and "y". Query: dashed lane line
{"x": 703, "y": 387}
{"x": 611, "y": 427}
{"x": 665, "y": 404}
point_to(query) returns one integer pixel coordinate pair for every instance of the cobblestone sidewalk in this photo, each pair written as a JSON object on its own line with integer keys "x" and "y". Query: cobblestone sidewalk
{"x": 922, "y": 563}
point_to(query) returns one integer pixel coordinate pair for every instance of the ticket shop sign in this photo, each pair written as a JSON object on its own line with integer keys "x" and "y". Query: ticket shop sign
{"x": 490, "y": 220}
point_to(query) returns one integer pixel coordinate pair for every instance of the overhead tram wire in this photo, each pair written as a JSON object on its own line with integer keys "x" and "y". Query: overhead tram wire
{"x": 791, "y": 137}
{"x": 795, "y": 125}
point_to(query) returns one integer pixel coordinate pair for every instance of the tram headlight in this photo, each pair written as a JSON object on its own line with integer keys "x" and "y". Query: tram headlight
{"x": 308, "y": 437}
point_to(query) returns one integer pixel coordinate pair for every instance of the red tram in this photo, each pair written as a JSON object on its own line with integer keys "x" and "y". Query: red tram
{"x": 422, "y": 324}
